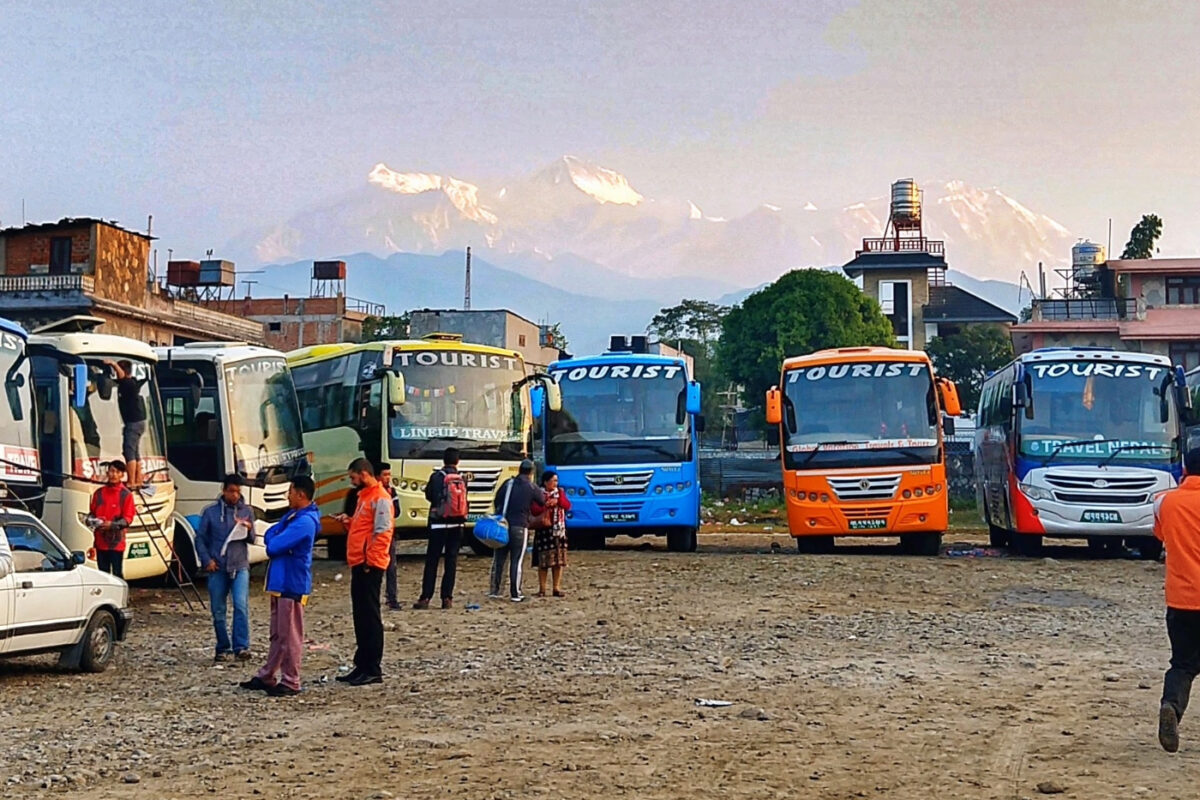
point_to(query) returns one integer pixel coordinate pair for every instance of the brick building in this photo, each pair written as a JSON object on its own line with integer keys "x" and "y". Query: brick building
{"x": 51, "y": 271}
{"x": 498, "y": 328}
{"x": 290, "y": 323}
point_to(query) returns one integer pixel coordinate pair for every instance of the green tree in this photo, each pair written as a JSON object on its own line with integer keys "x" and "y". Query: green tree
{"x": 697, "y": 320}
{"x": 967, "y": 357}
{"x": 803, "y": 311}
{"x": 1143, "y": 237}
{"x": 391, "y": 326}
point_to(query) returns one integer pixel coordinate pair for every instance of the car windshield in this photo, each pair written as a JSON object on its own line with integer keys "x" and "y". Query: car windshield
{"x": 619, "y": 414}
{"x": 876, "y": 413}
{"x": 1094, "y": 411}
{"x": 18, "y": 418}
{"x": 264, "y": 418}
{"x": 97, "y": 429}
{"x": 460, "y": 399}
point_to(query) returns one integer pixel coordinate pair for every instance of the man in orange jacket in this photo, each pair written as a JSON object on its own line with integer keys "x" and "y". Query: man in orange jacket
{"x": 368, "y": 550}
{"x": 1177, "y": 523}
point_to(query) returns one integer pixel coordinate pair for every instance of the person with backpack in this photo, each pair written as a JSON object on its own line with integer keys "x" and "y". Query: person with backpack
{"x": 448, "y": 509}
{"x": 111, "y": 512}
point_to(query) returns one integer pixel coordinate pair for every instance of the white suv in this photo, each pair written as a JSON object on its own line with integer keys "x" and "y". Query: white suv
{"x": 51, "y": 602}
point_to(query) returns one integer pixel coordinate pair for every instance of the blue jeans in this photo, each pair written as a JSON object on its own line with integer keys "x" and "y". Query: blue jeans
{"x": 220, "y": 585}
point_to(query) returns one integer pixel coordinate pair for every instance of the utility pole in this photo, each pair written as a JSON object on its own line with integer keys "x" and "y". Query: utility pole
{"x": 467, "y": 292}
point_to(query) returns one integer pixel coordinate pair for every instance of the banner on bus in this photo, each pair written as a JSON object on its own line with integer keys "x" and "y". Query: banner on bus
{"x": 874, "y": 444}
{"x": 453, "y": 432}
{"x": 1132, "y": 447}
{"x": 259, "y": 462}
{"x": 18, "y": 463}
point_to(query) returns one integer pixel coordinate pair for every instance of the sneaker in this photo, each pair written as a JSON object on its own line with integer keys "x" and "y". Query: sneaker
{"x": 222, "y": 658}
{"x": 393, "y": 605}
{"x": 421, "y": 604}
{"x": 256, "y": 684}
{"x": 348, "y": 677}
{"x": 242, "y": 655}
{"x": 279, "y": 690}
{"x": 147, "y": 490}
{"x": 447, "y": 602}
{"x": 518, "y": 598}
{"x": 366, "y": 680}
{"x": 1168, "y": 728}
{"x": 493, "y": 595}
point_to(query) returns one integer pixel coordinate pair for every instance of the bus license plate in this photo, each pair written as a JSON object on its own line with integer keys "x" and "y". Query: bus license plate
{"x": 1101, "y": 516}
{"x": 625, "y": 516}
{"x": 139, "y": 550}
{"x": 868, "y": 524}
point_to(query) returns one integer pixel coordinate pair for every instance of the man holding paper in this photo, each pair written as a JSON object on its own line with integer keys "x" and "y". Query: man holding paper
{"x": 223, "y": 551}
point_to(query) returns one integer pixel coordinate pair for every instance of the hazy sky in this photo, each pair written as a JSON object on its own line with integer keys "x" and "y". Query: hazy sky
{"x": 216, "y": 117}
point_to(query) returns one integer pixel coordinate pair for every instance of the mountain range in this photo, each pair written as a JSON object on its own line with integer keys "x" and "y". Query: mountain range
{"x": 577, "y": 242}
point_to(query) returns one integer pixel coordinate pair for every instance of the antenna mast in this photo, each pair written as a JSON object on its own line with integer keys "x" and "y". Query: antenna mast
{"x": 467, "y": 292}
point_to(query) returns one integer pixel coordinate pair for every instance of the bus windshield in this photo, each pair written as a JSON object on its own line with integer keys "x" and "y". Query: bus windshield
{"x": 1089, "y": 411}
{"x": 18, "y": 422}
{"x": 620, "y": 414}
{"x": 860, "y": 414}
{"x": 264, "y": 418}
{"x": 97, "y": 429}
{"x": 458, "y": 399}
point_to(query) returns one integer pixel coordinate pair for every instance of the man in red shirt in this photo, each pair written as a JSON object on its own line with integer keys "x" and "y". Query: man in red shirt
{"x": 1177, "y": 524}
{"x": 112, "y": 511}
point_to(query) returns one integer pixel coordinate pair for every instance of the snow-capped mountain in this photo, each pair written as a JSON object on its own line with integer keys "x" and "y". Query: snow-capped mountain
{"x": 591, "y": 225}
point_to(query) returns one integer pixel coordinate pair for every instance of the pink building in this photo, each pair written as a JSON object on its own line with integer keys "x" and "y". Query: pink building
{"x": 1149, "y": 305}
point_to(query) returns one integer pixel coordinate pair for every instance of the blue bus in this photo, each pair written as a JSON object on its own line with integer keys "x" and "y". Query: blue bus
{"x": 625, "y": 445}
{"x": 20, "y": 474}
{"x": 1074, "y": 442}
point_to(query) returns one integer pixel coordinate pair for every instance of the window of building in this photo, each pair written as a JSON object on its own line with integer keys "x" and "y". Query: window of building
{"x": 520, "y": 340}
{"x": 1186, "y": 354}
{"x": 60, "y": 255}
{"x": 1183, "y": 290}
{"x": 896, "y": 304}
{"x": 274, "y": 327}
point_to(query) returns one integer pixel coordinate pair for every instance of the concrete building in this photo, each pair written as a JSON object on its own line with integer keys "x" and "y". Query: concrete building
{"x": 90, "y": 267}
{"x": 294, "y": 322}
{"x": 498, "y": 328}
{"x": 1147, "y": 305}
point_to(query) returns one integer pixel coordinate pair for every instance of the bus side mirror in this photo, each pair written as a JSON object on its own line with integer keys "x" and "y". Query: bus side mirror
{"x": 693, "y": 397}
{"x": 774, "y": 406}
{"x": 396, "y": 391}
{"x": 950, "y": 402}
{"x": 537, "y": 400}
{"x": 553, "y": 395}
{"x": 79, "y": 382}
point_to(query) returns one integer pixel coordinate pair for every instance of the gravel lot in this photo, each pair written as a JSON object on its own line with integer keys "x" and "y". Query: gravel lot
{"x": 861, "y": 674}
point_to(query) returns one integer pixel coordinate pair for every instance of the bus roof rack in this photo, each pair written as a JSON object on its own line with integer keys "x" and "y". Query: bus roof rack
{"x": 439, "y": 336}
{"x": 1075, "y": 349}
{"x": 78, "y": 323}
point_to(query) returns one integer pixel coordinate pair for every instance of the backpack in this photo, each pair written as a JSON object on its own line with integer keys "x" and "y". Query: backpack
{"x": 454, "y": 496}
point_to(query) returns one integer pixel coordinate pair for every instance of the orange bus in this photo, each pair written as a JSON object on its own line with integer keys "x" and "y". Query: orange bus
{"x": 861, "y": 439}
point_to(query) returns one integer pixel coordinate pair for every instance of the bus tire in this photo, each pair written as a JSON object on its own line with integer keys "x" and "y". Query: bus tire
{"x": 1149, "y": 547}
{"x": 1027, "y": 544}
{"x": 478, "y": 547}
{"x": 921, "y": 544}
{"x": 814, "y": 545}
{"x": 336, "y": 547}
{"x": 998, "y": 537}
{"x": 681, "y": 540}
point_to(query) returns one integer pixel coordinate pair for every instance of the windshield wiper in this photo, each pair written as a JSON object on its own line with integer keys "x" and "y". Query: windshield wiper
{"x": 813, "y": 453}
{"x": 1075, "y": 443}
{"x": 1128, "y": 447}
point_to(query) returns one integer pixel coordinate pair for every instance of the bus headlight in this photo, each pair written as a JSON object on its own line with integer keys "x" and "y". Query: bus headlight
{"x": 907, "y": 495}
{"x": 679, "y": 487}
{"x": 658, "y": 489}
{"x": 1035, "y": 492}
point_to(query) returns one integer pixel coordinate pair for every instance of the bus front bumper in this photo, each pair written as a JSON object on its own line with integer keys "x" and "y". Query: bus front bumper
{"x": 1066, "y": 521}
{"x": 881, "y": 519}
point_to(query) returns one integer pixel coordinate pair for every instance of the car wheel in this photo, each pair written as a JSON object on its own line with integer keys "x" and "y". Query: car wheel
{"x": 99, "y": 642}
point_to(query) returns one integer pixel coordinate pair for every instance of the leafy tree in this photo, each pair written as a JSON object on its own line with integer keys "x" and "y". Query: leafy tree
{"x": 967, "y": 357}
{"x": 391, "y": 326}
{"x": 804, "y": 311}
{"x": 1142, "y": 237}
{"x": 698, "y": 320}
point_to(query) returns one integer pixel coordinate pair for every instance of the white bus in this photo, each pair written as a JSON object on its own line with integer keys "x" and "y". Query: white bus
{"x": 80, "y": 429}
{"x": 229, "y": 408}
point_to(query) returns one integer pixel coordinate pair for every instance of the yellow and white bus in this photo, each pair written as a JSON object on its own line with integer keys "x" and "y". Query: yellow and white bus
{"x": 405, "y": 402}
{"x": 80, "y": 428}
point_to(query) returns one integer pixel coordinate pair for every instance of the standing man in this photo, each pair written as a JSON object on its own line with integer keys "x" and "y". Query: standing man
{"x": 368, "y": 544}
{"x": 519, "y": 493}
{"x": 223, "y": 552}
{"x": 1177, "y": 524}
{"x": 111, "y": 513}
{"x": 384, "y": 471}
{"x": 133, "y": 422}
{"x": 289, "y": 582}
{"x": 448, "y": 508}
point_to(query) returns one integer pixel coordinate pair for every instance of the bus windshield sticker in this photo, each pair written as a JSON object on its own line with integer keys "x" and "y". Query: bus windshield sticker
{"x": 874, "y": 444}
{"x": 837, "y": 371}
{"x": 618, "y": 371}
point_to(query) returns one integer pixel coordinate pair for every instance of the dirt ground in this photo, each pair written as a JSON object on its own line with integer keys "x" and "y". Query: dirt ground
{"x": 858, "y": 675}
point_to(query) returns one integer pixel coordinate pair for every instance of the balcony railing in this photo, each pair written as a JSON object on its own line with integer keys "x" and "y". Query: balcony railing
{"x": 365, "y": 307}
{"x": 47, "y": 283}
{"x": 916, "y": 244}
{"x": 1085, "y": 308}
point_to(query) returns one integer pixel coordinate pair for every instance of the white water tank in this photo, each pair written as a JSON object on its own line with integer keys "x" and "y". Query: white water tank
{"x": 1086, "y": 260}
{"x": 906, "y": 202}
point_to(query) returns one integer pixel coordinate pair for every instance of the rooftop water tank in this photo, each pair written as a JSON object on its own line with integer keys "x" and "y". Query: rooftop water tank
{"x": 1086, "y": 260}
{"x": 906, "y": 201}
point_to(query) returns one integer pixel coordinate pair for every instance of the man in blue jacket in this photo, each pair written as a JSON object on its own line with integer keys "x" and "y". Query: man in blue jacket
{"x": 289, "y": 582}
{"x": 223, "y": 552}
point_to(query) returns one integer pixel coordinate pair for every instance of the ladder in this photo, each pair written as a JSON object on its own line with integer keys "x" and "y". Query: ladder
{"x": 176, "y": 572}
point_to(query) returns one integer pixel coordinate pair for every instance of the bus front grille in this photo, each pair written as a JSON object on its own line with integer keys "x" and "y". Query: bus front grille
{"x": 1101, "y": 499}
{"x": 868, "y": 512}
{"x": 865, "y": 487}
{"x": 610, "y": 483}
{"x": 482, "y": 481}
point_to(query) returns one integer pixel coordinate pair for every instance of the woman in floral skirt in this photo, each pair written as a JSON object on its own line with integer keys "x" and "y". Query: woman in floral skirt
{"x": 550, "y": 534}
